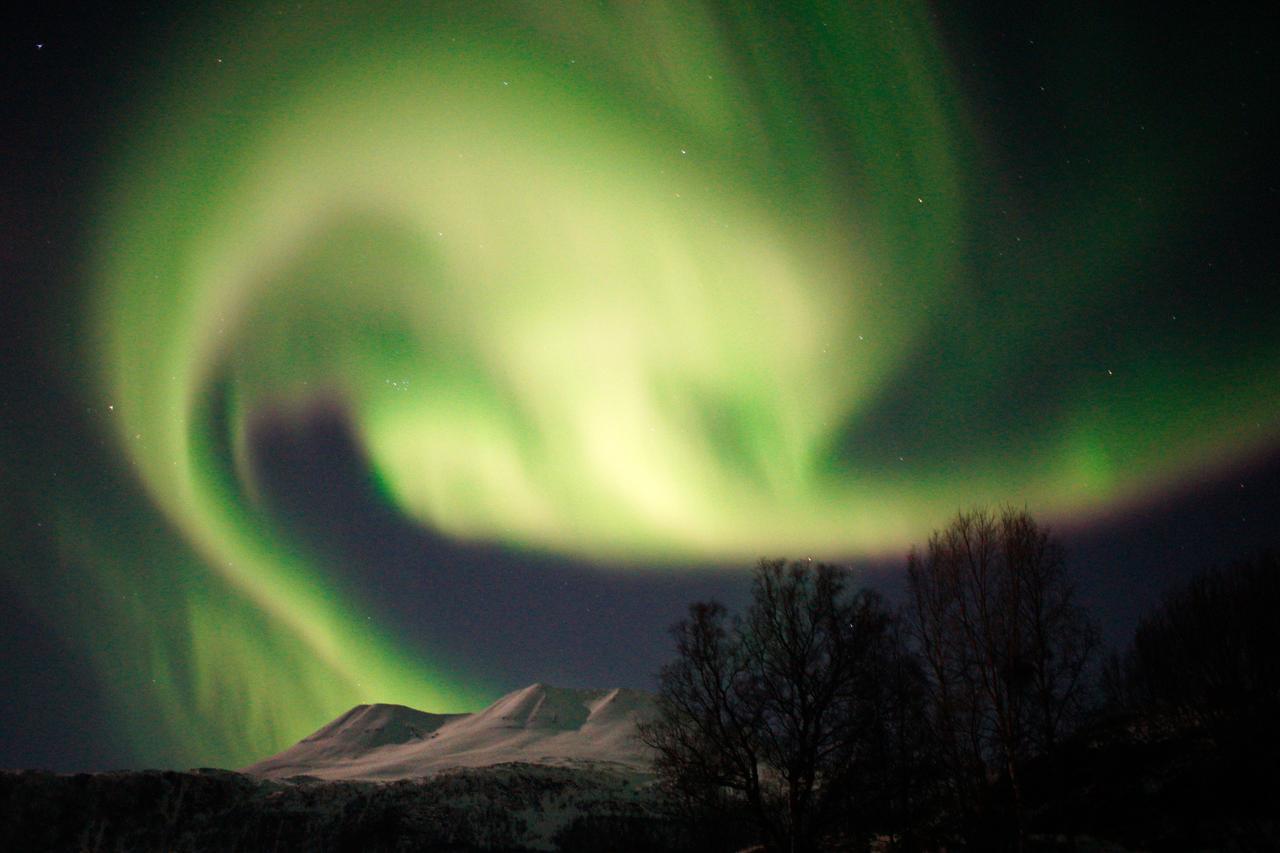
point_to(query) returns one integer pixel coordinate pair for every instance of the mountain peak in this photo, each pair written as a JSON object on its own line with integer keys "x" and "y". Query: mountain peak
{"x": 371, "y": 726}
{"x": 541, "y": 706}
{"x": 538, "y": 724}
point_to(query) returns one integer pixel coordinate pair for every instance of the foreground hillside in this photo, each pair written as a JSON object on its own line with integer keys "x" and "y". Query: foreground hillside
{"x": 505, "y": 808}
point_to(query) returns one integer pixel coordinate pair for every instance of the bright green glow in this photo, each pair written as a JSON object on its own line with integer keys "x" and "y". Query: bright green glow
{"x": 616, "y": 285}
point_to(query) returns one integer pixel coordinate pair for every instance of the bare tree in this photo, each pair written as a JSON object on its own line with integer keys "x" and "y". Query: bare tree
{"x": 779, "y": 710}
{"x": 1004, "y": 644}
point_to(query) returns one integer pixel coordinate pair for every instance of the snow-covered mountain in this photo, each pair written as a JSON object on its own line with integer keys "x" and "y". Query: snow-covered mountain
{"x": 536, "y": 725}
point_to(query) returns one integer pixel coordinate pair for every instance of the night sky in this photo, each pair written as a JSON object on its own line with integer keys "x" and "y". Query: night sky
{"x": 417, "y": 352}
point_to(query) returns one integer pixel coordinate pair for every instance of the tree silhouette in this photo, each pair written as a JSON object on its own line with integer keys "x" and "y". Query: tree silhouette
{"x": 1202, "y": 679}
{"x": 783, "y": 712}
{"x": 1208, "y": 651}
{"x": 1005, "y": 650}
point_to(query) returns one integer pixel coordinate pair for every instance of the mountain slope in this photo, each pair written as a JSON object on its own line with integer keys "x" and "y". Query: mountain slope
{"x": 535, "y": 725}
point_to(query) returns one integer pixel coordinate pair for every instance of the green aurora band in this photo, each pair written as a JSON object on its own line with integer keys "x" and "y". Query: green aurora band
{"x": 642, "y": 283}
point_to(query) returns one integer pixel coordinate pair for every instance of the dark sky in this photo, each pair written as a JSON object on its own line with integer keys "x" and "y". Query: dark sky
{"x": 1133, "y": 150}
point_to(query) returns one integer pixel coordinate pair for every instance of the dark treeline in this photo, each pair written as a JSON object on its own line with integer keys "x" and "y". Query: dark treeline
{"x": 1211, "y": 651}
{"x": 978, "y": 714}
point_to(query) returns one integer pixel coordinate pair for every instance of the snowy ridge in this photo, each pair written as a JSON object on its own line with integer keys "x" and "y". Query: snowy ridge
{"x": 367, "y": 727}
{"x": 538, "y": 725}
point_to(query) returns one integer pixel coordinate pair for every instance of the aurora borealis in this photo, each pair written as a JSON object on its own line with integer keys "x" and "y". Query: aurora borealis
{"x": 651, "y": 287}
